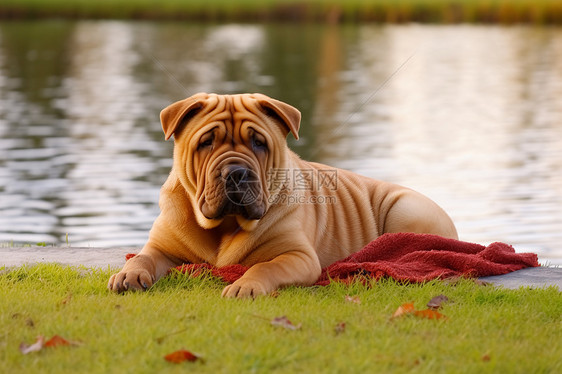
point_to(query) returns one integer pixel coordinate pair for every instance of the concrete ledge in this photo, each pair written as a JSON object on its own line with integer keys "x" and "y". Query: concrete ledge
{"x": 529, "y": 277}
{"x": 115, "y": 258}
{"x": 89, "y": 257}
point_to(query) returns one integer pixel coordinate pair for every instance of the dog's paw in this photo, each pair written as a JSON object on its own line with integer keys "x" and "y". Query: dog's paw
{"x": 135, "y": 279}
{"x": 245, "y": 288}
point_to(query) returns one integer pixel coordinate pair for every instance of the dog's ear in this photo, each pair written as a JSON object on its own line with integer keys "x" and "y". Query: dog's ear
{"x": 285, "y": 113}
{"x": 180, "y": 112}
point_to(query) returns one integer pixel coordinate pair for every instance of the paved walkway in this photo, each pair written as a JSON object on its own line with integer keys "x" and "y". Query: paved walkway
{"x": 115, "y": 258}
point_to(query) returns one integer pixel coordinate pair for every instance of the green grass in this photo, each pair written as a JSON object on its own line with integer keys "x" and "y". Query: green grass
{"x": 447, "y": 11}
{"x": 487, "y": 329}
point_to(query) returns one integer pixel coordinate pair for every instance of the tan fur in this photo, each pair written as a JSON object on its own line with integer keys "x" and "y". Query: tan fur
{"x": 301, "y": 230}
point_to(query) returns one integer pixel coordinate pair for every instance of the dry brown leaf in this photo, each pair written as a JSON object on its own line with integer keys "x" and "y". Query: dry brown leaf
{"x": 429, "y": 314}
{"x": 40, "y": 343}
{"x": 284, "y": 322}
{"x": 340, "y": 328}
{"x": 180, "y": 356}
{"x": 408, "y": 309}
{"x": 56, "y": 340}
{"x": 353, "y": 299}
{"x": 486, "y": 357}
{"x": 67, "y": 299}
{"x": 35, "y": 347}
{"x": 437, "y": 302}
{"x": 403, "y": 309}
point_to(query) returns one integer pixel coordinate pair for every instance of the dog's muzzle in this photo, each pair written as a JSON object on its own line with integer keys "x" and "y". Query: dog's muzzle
{"x": 241, "y": 194}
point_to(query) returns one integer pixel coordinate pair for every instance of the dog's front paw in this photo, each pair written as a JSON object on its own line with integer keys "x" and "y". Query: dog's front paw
{"x": 245, "y": 288}
{"x": 134, "y": 279}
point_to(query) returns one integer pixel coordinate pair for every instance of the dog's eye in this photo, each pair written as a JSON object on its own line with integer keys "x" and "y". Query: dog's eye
{"x": 258, "y": 143}
{"x": 205, "y": 143}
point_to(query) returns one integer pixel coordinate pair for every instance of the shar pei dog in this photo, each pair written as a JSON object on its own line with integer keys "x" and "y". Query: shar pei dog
{"x": 237, "y": 194}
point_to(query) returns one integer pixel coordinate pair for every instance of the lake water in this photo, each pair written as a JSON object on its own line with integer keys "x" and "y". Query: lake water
{"x": 471, "y": 116}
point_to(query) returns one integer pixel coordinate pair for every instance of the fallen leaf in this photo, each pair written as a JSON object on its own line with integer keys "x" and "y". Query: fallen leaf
{"x": 180, "y": 356}
{"x": 403, "y": 309}
{"x": 56, "y": 340}
{"x": 67, "y": 299}
{"x": 340, "y": 328}
{"x": 486, "y": 357}
{"x": 274, "y": 294}
{"x": 35, "y": 347}
{"x": 353, "y": 299}
{"x": 429, "y": 314}
{"x": 40, "y": 343}
{"x": 437, "y": 302}
{"x": 285, "y": 323}
{"x": 408, "y": 309}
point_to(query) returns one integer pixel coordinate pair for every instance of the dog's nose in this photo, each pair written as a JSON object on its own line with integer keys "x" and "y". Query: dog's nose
{"x": 243, "y": 192}
{"x": 235, "y": 174}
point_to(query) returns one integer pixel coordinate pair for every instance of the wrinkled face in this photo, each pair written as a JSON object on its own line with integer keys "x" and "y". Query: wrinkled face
{"x": 224, "y": 148}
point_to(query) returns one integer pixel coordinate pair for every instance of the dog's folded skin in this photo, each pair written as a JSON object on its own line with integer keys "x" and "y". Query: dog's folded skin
{"x": 237, "y": 195}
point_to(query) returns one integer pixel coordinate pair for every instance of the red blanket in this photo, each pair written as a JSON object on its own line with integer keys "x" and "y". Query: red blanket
{"x": 423, "y": 257}
{"x": 408, "y": 257}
